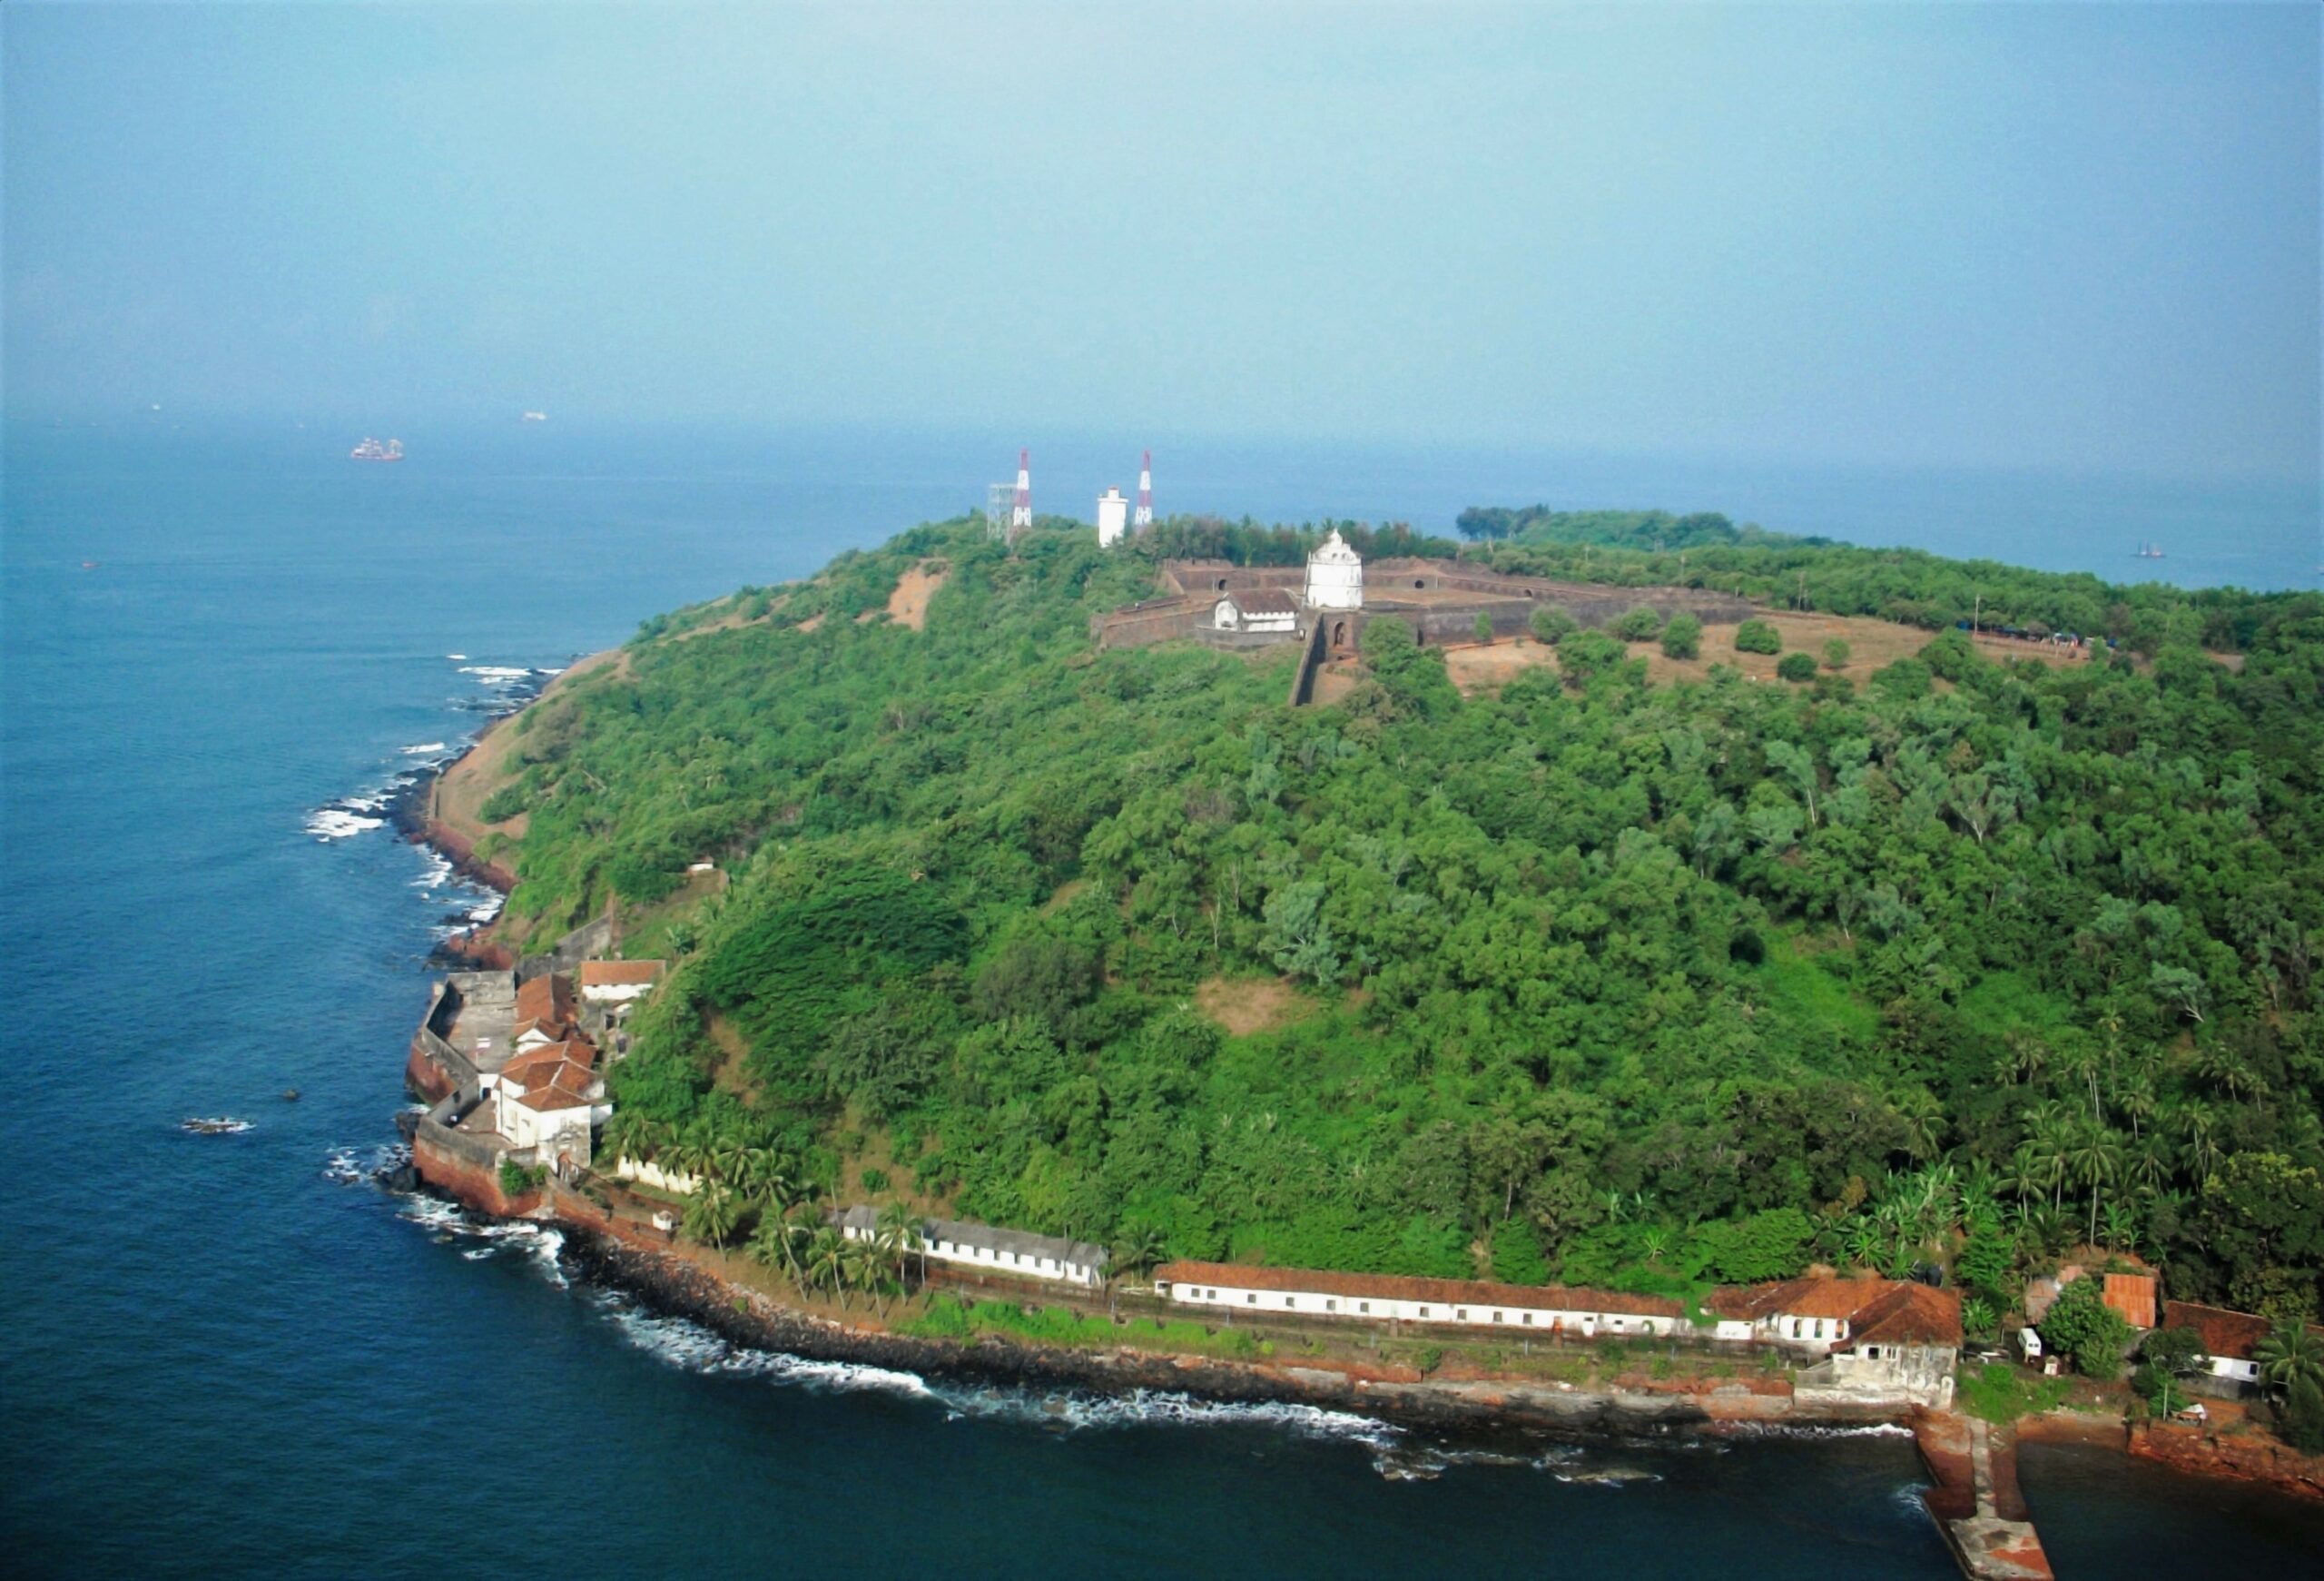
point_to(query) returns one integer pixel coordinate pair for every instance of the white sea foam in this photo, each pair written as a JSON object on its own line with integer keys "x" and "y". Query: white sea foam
{"x": 498, "y": 675}
{"x": 1074, "y": 1410}
{"x": 437, "y": 871}
{"x": 351, "y": 1165}
{"x": 1819, "y": 1430}
{"x": 519, "y": 1237}
{"x": 336, "y": 822}
{"x": 422, "y": 749}
{"x": 214, "y": 1125}
{"x": 456, "y": 658}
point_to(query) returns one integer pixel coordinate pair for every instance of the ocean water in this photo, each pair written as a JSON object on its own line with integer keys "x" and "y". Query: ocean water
{"x": 235, "y": 1354}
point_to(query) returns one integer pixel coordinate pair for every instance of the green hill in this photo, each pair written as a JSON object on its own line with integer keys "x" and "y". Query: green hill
{"x": 1629, "y": 983}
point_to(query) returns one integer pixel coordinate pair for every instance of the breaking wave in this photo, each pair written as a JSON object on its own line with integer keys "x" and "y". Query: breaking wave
{"x": 496, "y": 674}
{"x": 421, "y": 750}
{"x": 451, "y": 1225}
{"x": 341, "y": 819}
{"x": 353, "y": 1165}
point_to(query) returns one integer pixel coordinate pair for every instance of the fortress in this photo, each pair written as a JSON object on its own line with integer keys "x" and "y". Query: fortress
{"x": 1328, "y": 602}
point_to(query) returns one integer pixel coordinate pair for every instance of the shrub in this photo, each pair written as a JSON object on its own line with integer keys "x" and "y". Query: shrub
{"x": 1484, "y": 628}
{"x": 2081, "y": 1325}
{"x": 1682, "y": 636}
{"x": 1641, "y": 625}
{"x": 1553, "y": 626}
{"x": 517, "y": 1179}
{"x": 1796, "y": 667}
{"x": 875, "y": 1180}
{"x": 1758, "y": 636}
{"x": 502, "y": 805}
{"x": 1585, "y": 655}
{"x": 2303, "y": 1417}
{"x": 1835, "y": 655}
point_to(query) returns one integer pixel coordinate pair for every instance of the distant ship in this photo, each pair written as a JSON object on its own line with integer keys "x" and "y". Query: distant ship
{"x": 536, "y": 416}
{"x": 373, "y": 450}
{"x": 2148, "y": 551}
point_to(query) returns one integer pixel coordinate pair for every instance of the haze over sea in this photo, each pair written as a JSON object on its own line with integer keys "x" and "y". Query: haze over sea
{"x": 236, "y": 1354}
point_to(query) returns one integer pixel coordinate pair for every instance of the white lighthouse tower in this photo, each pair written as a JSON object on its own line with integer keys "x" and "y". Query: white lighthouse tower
{"x": 1020, "y": 514}
{"x": 1145, "y": 517}
{"x": 1334, "y": 576}
{"x": 1113, "y": 517}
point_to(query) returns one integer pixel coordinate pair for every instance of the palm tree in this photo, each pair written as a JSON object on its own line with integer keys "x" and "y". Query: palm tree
{"x": 1863, "y": 1238}
{"x": 730, "y": 1156}
{"x": 826, "y": 1262}
{"x": 899, "y": 1237}
{"x": 775, "y": 1242}
{"x": 1142, "y": 1247}
{"x": 2199, "y": 1151}
{"x": 2095, "y": 1157}
{"x": 712, "y": 1215}
{"x": 2288, "y": 1353}
{"x": 1922, "y": 1118}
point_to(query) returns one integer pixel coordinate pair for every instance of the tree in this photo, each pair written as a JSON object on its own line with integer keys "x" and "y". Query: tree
{"x": 1639, "y": 625}
{"x": 1796, "y": 667}
{"x": 1836, "y": 654}
{"x": 2080, "y": 1324}
{"x": 1553, "y": 626}
{"x": 1758, "y": 636}
{"x": 1142, "y": 1247}
{"x": 2167, "y": 1355}
{"x": 711, "y": 1216}
{"x": 1483, "y": 629}
{"x": 1682, "y": 636}
{"x": 2289, "y": 1353}
{"x": 2303, "y": 1420}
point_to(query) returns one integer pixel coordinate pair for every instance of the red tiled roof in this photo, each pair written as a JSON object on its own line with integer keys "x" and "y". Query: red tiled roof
{"x": 1909, "y": 1314}
{"x": 534, "y": 1066}
{"x": 1883, "y": 1312}
{"x": 1405, "y": 1288}
{"x": 1799, "y": 1298}
{"x": 619, "y": 973}
{"x": 2132, "y": 1295}
{"x": 547, "y": 999}
{"x": 559, "y": 1084}
{"x": 2224, "y": 1333}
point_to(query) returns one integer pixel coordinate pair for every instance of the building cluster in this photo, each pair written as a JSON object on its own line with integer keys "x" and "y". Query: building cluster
{"x": 2230, "y": 1339}
{"x": 1328, "y": 602}
{"x": 515, "y": 1059}
{"x": 1879, "y": 1337}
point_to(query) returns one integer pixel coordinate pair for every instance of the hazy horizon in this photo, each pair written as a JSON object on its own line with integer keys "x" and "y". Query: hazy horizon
{"x": 2067, "y": 240}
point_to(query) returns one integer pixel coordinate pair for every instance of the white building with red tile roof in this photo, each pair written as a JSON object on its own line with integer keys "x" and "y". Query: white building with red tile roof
{"x": 617, "y": 981}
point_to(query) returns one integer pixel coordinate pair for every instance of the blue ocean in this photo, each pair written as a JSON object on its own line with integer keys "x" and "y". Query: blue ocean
{"x": 237, "y": 1354}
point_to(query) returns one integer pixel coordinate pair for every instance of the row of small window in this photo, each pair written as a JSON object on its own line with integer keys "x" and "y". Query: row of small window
{"x": 1460, "y": 1314}
{"x": 944, "y": 1248}
{"x": 1798, "y": 1322}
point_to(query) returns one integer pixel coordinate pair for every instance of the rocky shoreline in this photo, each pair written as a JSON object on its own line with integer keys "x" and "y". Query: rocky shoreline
{"x": 674, "y": 1285}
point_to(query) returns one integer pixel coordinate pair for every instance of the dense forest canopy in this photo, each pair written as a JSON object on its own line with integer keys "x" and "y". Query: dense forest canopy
{"x": 1587, "y": 977}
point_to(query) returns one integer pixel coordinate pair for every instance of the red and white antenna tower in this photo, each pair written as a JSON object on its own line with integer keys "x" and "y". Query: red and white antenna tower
{"x": 1144, "y": 516}
{"x": 1021, "y": 513}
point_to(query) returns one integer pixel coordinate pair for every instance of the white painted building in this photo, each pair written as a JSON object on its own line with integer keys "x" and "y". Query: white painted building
{"x": 1256, "y": 609}
{"x": 1334, "y": 576}
{"x": 617, "y": 981}
{"x": 1303, "y": 1293}
{"x": 546, "y": 1101}
{"x": 1113, "y": 517}
{"x": 1017, "y": 1254}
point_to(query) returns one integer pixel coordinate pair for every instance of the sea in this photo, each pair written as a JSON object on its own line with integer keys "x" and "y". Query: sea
{"x": 237, "y": 1353}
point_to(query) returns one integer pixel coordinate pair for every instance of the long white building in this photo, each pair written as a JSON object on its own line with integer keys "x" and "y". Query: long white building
{"x": 1547, "y": 1309}
{"x": 1018, "y": 1253}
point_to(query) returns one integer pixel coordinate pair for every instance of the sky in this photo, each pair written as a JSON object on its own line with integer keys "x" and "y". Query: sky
{"x": 2068, "y": 237}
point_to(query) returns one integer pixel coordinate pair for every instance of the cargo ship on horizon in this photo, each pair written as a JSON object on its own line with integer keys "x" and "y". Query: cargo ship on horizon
{"x": 372, "y": 450}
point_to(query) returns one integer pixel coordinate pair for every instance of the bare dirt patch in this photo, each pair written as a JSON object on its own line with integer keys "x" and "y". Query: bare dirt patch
{"x": 907, "y": 605}
{"x": 813, "y": 622}
{"x": 1335, "y": 681}
{"x": 1244, "y": 1005}
{"x": 1873, "y": 644}
{"x": 457, "y": 797}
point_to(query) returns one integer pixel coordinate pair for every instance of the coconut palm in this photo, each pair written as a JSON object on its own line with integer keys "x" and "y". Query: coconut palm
{"x": 1922, "y": 1118}
{"x": 825, "y": 1262}
{"x": 2094, "y": 1158}
{"x": 711, "y": 1216}
{"x": 2288, "y": 1353}
{"x": 2198, "y": 1148}
{"x": 899, "y": 1238}
{"x": 1143, "y": 1246}
{"x": 775, "y": 1242}
{"x": 730, "y": 1157}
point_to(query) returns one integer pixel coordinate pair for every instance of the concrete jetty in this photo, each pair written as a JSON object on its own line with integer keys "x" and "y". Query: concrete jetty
{"x": 1977, "y": 1501}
